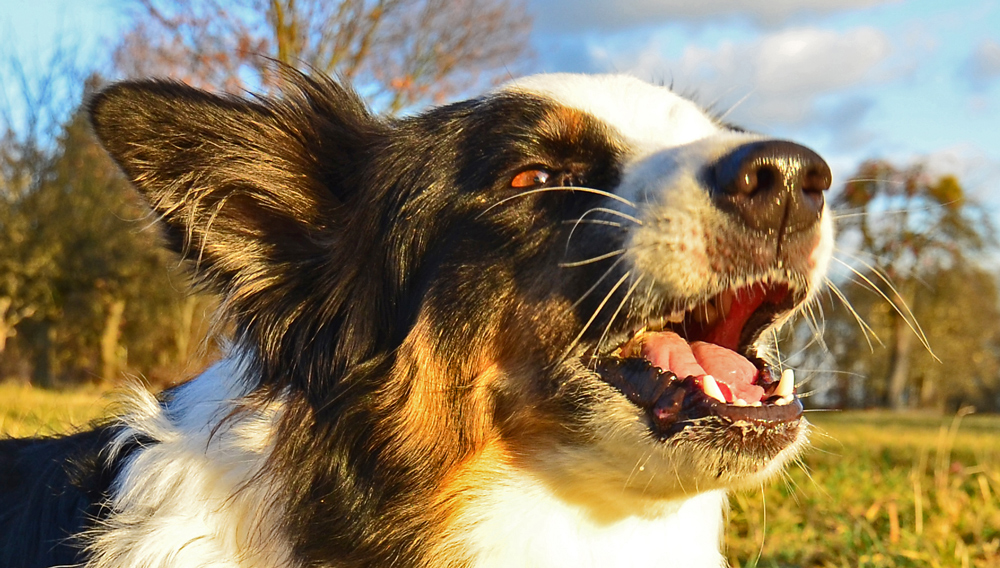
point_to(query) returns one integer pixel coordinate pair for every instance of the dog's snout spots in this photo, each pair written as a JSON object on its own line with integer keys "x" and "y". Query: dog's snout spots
{"x": 771, "y": 185}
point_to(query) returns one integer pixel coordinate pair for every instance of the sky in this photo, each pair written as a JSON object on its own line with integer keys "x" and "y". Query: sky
{"x": 908, "y": 81}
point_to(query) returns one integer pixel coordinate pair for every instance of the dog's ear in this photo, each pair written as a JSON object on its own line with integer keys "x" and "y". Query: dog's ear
{"x": 244, "y": 188}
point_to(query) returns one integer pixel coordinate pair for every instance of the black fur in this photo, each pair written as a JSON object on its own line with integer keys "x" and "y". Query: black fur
{"x": 50, "y": 491}
{"x": 365, "y": 264}
{"x": 329, "y": 232}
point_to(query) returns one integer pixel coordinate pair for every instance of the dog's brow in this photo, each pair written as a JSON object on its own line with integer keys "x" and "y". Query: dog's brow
{"x": 644, "y": 114}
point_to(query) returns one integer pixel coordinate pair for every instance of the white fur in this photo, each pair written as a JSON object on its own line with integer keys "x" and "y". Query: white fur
{"x": 647, "y": 116}
{"x": 520, "y": 522}
{"x": 669, "y": 139}
{"x": 190, "y": 499}
{"x": 199, "y": 496}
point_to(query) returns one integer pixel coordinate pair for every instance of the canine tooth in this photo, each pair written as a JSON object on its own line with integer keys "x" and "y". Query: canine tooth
{"x": 705, "y": 314}
{"x": 786, "y": 385}
{"x": 712, "y": 389}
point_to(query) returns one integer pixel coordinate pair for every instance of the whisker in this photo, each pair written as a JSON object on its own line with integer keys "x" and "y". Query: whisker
{"x": 817, "y": 325}
{"x": 621, "y": 305}
{"x": 874, "y": 180}
{"x": 611, "y": 212}
{"x": 865, "y": 328}
{"x": 597, "y": 283}
{"x": 832, "y": 372}
{"x": 816, "y": 334}
{"x": 597, "y": 311}
{"x": 640, "y": 465}
{"x": 763, "y": 530}
{"x": 736, "y": 105}
{"x": 600, "y": 192}
{"x": 908, "y": 317}
{"x": 813, "y": 392}
{"x": 604, "y": 256}
{"x": 856, "y": 212}
{"x": 811, "y": 374}
{"x": 582, "y": 220}
{"x": 591, "y": 222}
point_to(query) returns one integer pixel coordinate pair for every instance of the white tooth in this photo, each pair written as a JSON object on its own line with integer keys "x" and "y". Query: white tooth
{"x": 786, "y": 385}
{"x": 712, "y": 389}
{"x": 757, "y": 403}
{"x": 676, "y": 317}
{"x": 740, "y": 402}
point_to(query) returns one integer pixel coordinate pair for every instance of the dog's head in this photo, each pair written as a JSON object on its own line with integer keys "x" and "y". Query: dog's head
{"x": 574, "y": 276}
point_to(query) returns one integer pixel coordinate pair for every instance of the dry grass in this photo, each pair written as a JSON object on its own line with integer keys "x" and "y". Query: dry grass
{"x": 876, "y": 490}
{"x": 29, "y": 411}
{"x": 879, "y": 489}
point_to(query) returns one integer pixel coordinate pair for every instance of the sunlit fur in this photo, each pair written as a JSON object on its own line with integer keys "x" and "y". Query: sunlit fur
{"x": 407, "y": 383}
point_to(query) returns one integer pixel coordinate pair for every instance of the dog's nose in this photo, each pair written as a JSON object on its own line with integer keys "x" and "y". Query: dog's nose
{"x": 771, "y": 185}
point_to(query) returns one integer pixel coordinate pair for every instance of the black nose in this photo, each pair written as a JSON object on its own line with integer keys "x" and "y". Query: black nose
{"x": 771, "y": 185}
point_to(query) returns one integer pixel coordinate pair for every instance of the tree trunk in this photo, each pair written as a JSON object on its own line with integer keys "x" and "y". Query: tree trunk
{"x": 929, "y": 394}
{"x": 842, "y": 391}
{"x": 899, "y": 369}
{"x": 46, "y": 364}
{"x": 111, "y": 362}
{"x": 5, "y": 328}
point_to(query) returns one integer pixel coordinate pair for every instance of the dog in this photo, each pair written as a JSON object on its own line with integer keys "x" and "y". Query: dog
{"x": 533, "y": 328}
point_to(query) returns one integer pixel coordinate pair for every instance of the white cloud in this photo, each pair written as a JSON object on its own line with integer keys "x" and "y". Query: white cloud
{"x": 778, "y": 78}
{"x": 982, "y": 67}
{"x": 975, "y": 169}
{"x": 574, "y": 15}
{"x": 807, "y": 61}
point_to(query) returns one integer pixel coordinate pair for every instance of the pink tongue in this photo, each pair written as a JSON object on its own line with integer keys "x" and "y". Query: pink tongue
{"x": 729, "y": 367}
{"x": 670, "y": 352}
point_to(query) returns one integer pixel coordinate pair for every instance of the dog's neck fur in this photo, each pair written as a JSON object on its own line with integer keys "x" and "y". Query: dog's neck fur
{"x": 522, "y": 523}
{"x": 516, "y": 521}
{"x": 198, "y": 494}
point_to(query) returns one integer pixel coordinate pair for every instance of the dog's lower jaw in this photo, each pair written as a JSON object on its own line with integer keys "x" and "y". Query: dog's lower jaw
{"x": 521, "y": 522}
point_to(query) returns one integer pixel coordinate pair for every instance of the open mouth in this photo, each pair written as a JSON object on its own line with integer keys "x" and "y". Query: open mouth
{"x": 701, "y": 362}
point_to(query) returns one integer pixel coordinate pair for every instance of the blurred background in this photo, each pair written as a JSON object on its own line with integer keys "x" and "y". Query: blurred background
{"x": 902, "y": 98}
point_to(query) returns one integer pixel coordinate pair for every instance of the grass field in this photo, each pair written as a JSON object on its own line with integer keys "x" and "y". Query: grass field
{"x": 876, "y": 490}
{"x": 28, "y": 411}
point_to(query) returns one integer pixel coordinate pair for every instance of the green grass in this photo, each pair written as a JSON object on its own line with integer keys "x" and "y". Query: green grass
{"x": 877, "y": 489}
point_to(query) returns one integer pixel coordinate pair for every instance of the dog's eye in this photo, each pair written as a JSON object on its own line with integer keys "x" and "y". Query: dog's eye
{"x": 530, "y": 178}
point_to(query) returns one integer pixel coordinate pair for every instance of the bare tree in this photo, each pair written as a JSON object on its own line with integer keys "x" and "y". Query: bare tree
{"x": 399, "y": 53}
{"x": 917, "y": 245}
{"x": 33, "y": 107}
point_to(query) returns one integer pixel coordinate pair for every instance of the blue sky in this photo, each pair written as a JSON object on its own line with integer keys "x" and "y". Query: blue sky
{"x": 902, "y": 80}
{"x": 854, "y": 79}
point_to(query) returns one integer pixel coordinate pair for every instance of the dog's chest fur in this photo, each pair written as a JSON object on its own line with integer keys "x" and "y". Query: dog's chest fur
{"x": 195, "y": 498}
{"x": 520, "y": 523}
